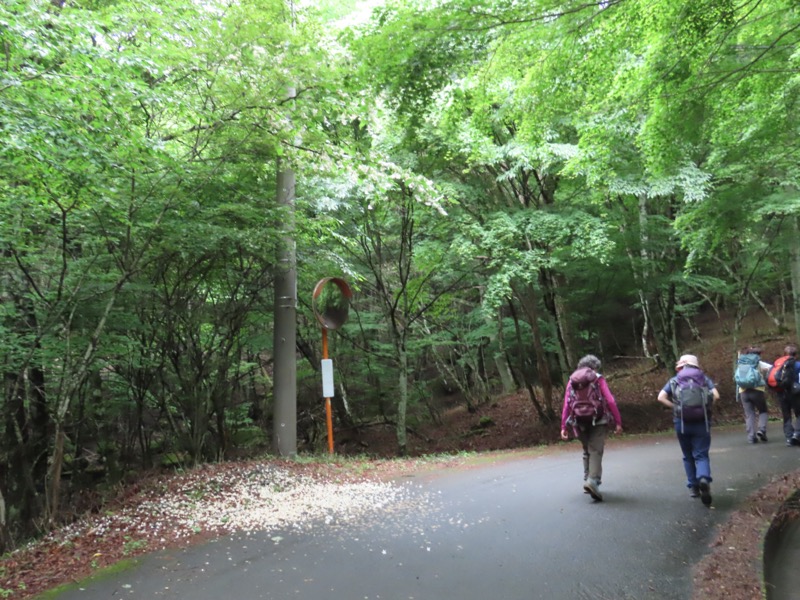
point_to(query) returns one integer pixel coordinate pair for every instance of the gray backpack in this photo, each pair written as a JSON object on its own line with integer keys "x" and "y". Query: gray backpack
{"x": 691, "y": 396}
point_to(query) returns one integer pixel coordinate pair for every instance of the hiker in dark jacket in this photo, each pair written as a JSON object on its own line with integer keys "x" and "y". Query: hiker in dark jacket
{"x": 753, "y": 396}
{"x": 789, "y": 401}
{"x": 592, "y": 434}
{"x": 690, "y": 394}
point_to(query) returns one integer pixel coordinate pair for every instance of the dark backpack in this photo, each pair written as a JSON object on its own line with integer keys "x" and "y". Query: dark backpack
{"x": 747, "y": 375}
{"x": 691, "y": 396}
{"x": 782, "y": 374}
{"x": 586, "y": 403}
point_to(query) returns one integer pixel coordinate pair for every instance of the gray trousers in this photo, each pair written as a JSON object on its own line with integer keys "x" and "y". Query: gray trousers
{"x": 593, "y": 440}
{"x": 754, "y": 403}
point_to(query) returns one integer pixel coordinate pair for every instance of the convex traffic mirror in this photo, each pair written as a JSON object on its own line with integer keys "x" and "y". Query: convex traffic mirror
{"x": 331, "y": 302}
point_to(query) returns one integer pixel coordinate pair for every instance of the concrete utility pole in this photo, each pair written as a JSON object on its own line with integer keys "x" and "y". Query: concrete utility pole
{"x": 284, "y": 418}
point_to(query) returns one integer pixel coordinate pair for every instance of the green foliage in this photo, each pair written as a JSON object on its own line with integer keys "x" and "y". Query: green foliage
{"x": 485, "y": 422}
{"x": 133, "y": 546}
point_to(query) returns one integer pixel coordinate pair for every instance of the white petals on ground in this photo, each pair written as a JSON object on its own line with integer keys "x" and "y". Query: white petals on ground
{"x": 250, "y": 497}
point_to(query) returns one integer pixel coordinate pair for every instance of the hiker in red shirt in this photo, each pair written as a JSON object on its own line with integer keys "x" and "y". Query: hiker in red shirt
{"x": 783, "y": 380}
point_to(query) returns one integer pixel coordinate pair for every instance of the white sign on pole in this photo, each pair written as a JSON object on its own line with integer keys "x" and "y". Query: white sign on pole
{"x": 327, "y": 378}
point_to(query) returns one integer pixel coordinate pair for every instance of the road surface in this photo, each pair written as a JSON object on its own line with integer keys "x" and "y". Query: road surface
{"x": 520, "y": 529}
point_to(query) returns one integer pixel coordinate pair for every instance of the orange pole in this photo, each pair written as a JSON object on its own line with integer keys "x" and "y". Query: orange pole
{"x": 328, "y": 415}
{"x": 330, "y": 424}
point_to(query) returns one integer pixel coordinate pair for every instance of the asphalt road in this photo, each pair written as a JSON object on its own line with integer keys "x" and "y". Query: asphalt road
{"x": 520, "y": 529}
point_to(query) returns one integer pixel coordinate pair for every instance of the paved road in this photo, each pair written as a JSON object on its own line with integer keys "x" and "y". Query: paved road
{"x": 516, "y": 530}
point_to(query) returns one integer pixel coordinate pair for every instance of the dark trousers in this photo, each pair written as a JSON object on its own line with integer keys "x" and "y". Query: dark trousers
{"x": 790, "y": 405}
{"x": 695, "y": 442}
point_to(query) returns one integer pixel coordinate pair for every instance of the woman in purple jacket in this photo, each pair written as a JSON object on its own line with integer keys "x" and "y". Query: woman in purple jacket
{"x": 593, "y": 434}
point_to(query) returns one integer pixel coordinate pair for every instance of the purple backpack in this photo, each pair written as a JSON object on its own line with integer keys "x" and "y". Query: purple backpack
{"x": 691, "y": 396}
{"x": 586, "y": 403}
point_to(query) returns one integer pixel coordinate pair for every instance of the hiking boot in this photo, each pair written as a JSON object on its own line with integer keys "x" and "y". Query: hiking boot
{"x": 761, "y": 435}
{"x": 752, "y": 440}
{"x": 790, "y": 442}
{"x": 795, "y": 440}
{"x": 705, "y": 491}
{"x": 590, "y": 487}
{"x": 694, "y": 491}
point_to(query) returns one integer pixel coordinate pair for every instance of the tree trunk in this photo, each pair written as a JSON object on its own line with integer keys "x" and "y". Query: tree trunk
{"x": 341, "y": 407}
{"x": 69, "y": 392}
{"x": 564, "y": 320}
{"x": 568, "y": 354}
{"x": 528, "y": 300}
{"x": 664, "y": 327}
{"x": 199, "y": 418}
{"x": 645, "y": 333}
{"x": 21, "y": 456}
{"x": 54, "y": 489}
{"x": 39, "y": 422}
{"x": 795, "y": 275}
{"x": 537, "y": 405}
{"x": 643, "y": 276}
{"x": 402, "y": 400}
{"x": 220, "y": 403}
{"x": 658, "y": 310}
{"x": 26, "y": 414}
{"x": 449, "y": 372}
{"x": 5, "y": 538}
{"x": 500, "y": 357}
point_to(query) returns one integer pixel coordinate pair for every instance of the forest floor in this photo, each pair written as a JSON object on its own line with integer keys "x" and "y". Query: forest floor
{"x": 732, "y": 568}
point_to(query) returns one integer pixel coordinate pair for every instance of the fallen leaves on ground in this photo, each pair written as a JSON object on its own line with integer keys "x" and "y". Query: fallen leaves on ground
{"x": 732, "y": 570}
{"x": 176, "y": 510}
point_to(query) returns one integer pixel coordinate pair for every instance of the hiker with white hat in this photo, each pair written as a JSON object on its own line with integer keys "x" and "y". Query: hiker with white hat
{"x": 690, "y": 394}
